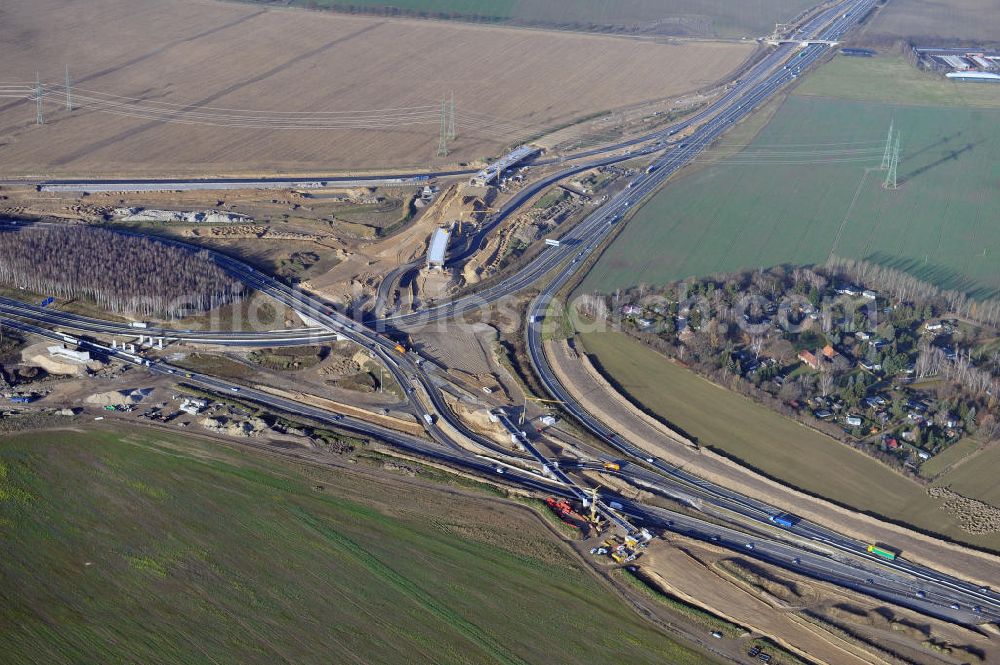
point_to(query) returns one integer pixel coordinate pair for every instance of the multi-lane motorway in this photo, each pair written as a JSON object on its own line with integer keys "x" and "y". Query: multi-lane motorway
{"x": 77, "y": 322}
{"x": 768, "y": 543}
{"x": 766, "y": 546}
{"x": 589, "y": 235}
{"x": 759, "y": 84}
{"x": 806, "y": 547}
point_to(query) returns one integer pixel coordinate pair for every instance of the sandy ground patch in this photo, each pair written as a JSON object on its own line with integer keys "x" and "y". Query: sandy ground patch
{"x": 680, "y": 572}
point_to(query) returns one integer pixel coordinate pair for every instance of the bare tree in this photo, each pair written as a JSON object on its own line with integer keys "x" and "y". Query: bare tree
{"x": 122, "y": 273}
{"x": 826, "y": 381}
{"x": 840, "y": 364}
{"x": 989, "y": 427}
{"x": 592, "y": 306}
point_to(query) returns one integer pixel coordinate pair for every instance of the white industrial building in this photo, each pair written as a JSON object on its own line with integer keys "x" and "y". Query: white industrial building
{"x": 491, "y": 173}
{"x": 193, "y": 406}
{"x": 960, "y": 64}
{"x": 982, "y": 62}
{"x": 977, "y": 77}
{"x": 437, "y": 248}
{"x": 955, "y": 62}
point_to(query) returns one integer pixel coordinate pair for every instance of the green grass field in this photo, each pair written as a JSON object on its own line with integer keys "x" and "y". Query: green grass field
{"x": 975, "y": 477}
{"x": 763, "y": 439}
{"x": 809, "y": 186}
{"x": 948, "y": 457}
{"x": 893, "y": 80}
{"x": 151, "y": 548}
{"x": 934, "y": 22}
{"x": 489, "y": 9}
{"x": 722, "y": 18}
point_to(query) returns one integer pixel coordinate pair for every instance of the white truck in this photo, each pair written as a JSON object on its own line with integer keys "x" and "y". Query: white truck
{"x": 139, "y": 324}
{"x": 429, "y": 419}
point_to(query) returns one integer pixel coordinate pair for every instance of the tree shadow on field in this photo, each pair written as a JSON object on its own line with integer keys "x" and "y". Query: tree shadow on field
{"x": 934, "y": 273}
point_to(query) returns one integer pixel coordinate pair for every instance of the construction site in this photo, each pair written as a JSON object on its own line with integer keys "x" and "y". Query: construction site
{"x": 383, "y": 249}
{"x": 377, "y": 381}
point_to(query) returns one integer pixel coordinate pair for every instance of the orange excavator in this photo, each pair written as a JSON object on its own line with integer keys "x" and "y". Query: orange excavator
{"x": 565, "y": 512}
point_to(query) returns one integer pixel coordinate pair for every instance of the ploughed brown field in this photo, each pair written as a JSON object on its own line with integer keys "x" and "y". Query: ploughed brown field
{"x": 178, "y": 87}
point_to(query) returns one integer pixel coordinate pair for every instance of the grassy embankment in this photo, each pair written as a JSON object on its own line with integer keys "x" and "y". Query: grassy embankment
{"x": 775, "y": 445}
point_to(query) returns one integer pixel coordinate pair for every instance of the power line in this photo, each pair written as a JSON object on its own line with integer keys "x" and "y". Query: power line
{"x": 191, "y": 113}
{"x": 69, "y": 91}
{"x": 798, "y": 145}
{"x": 443, "y": 139}
{"x": 181, "y": 106}
{"x": 451, "y": 118}
{"x": 39, "y": 118}
{"x": 890, "y": 176}
{"x": 359, "y": 120}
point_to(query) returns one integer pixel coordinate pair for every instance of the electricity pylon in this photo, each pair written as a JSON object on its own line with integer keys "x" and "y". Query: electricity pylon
{"x": 887, "y": 155}
{"x": 890, "y": 176}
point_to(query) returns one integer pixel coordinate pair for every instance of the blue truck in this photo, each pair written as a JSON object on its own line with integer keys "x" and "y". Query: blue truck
{"x": 784, "y": 519}
{"x": 21, "y": 399}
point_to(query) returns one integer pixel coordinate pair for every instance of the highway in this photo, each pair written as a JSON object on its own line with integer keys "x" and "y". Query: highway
{"x": 80, "y": 323}
{"x": 561, "y": 484}
{"x": 317, "y": 181}
{"x": 442, "y": 449}
{"x": 766, "y": 547}
{"x": 759, "y": 84}
{"x": 474, "y": 242}
{"x": 804, "y": 561}
{"x": 589, "y": 235}
{"x": 901, "y": 579}
{"x": 805, "y": 548}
